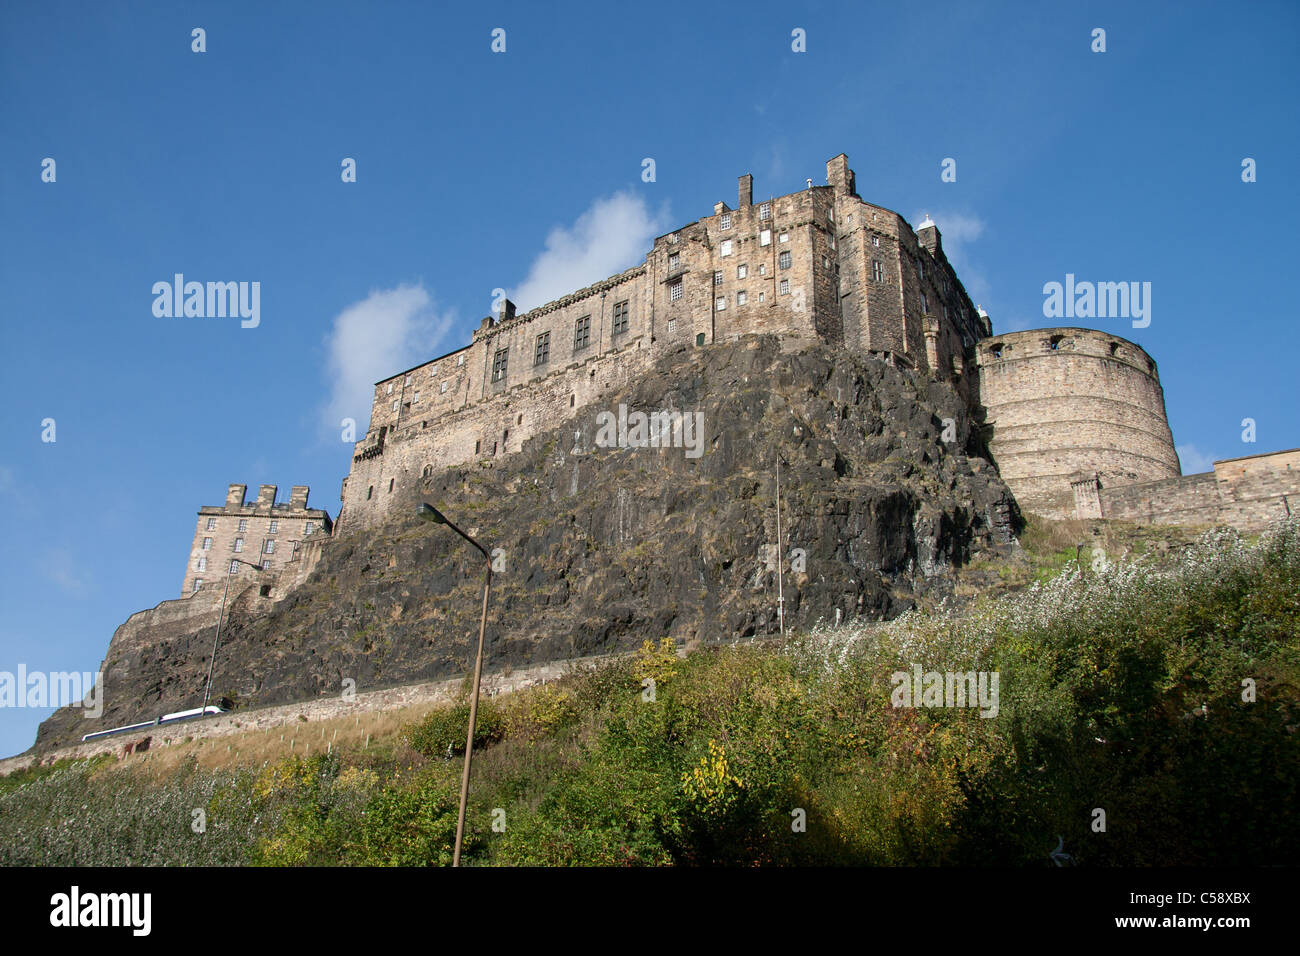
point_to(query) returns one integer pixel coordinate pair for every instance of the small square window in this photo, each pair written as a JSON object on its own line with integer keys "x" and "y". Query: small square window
{"x": 742, "y": 271}
{"x": 785, "y": 287}
{"x": 765, "y": 237}
{"x": 675, "y": 292}
{"x": 721, "y": 303}
{"x": 726, "y": 220}
{"x": 726, "y": 247}
{"x": 783, "y": 237}
{"x": 311, "y": 526}
{"x": 741, "y": 298}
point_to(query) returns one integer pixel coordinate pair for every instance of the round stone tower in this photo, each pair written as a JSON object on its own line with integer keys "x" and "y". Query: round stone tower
{"x": 1068, "y": 411}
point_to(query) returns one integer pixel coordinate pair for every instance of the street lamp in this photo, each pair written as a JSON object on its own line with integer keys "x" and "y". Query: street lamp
{"x": 207, "y": 688}
{"x": 432, "y": 514}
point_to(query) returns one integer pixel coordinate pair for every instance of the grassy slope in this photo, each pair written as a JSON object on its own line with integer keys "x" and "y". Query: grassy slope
{"x": 1121, "y": 691}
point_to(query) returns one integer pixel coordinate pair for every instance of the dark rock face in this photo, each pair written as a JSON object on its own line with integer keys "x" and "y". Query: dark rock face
{"x": 603, "y": 548}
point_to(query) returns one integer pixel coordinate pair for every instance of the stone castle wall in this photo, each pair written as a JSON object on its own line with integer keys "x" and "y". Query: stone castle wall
{"x": 815, "y": 265}
{"x": 1060, "y": 402}
{"x": 1245, "y": 493}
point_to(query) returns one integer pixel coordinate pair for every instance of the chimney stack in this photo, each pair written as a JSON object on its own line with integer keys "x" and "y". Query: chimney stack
{"x": 298, "y": 497}
{"x": 840, "y": 176}
{"x": 235, "y": 496}
{"x": 746, "y": 197}
{"x": 265, "y": 496}
{"x": 507, "y": 311}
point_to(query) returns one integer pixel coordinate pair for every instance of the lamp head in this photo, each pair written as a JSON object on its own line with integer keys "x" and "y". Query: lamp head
{"x": 430, "y": 513}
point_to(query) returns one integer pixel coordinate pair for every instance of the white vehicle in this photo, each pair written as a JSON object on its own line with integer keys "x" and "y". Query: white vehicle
{"x": 159, "y": 721}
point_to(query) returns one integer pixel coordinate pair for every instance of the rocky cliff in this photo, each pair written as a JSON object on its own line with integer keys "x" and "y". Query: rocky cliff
{"x": 885, "y": 490}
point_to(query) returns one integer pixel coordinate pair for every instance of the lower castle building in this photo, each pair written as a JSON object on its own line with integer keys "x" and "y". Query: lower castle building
{"x": 1074, "y": 418}
{"x": 273, "y": 537}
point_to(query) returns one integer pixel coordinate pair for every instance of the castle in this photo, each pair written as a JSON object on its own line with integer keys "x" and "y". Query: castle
{"x": 277, "y": 538}
{"x": 1074, "y": 418}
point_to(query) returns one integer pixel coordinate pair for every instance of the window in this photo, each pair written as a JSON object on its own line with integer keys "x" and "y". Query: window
{"x": 721, "y": 303}
{"x": 201, "y": 564}
{"x": 741, "y": 298}
{"x": 265, "y": 589}
{"x": 296, "y": 546}
{"x": 783, "y": 237}
{"x": 765, "y": 211}
{"x": 416, "y": 398}
{"x": 674, "y": 261}
{"x": 543, "y": 351}
{"x": 675, "y": 292}
{"x": 620, "y": 317}
{"x": 762, "y": 297}
{"x": 699, "y": 338}
{"x": 920, "y": 267}
{"x": 673, "y": 238}
{"x": 212, "y": 524}
{"x": 311, "y": 525}
{"x": 672, "y": 326}
{"x": 582, "y": 333}
{"x": 726, "y": 247}
{"x": 925, "y": 304}
{"x": 394, "y": 404}
{"x": 207, "y": 544}
{"x": 266, "y": 566}
{"x": 765, "y": 237}
{"x": 726, "y": 220}
{"x": 762, "y": 268}
{"x": 239, "y": 545}
{"x": 243, "y": 524}
{"x": 478, "y": 447}
{"x": 275, "y": 526}
{"x": 234, "y": 567}
{"x": 717, "y": 278}
{"x": 198, "y": 583}
{"x": 877, "y": 270}
{"x": 783, "y": 260}
{"x": 742, "y": 271}
{"x": 268, "y": 547}
{"x": 442, "y": 388}
{"x": 785, "y": 287}
{"x": 460, "y": 360}
{"x": 499, "y": 364}
{"x": 391, "y": 483}
{"x": 390, "y": 388}
{"x": 875, "y": 240}
{"x": 370, "y": 492}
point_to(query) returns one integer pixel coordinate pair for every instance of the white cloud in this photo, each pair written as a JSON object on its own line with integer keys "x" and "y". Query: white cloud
{"x": 61, "y": 567}
{"x": 613, "y": 235}
{"x": 1193, "y": 461}
{"x": 389, "y": 330}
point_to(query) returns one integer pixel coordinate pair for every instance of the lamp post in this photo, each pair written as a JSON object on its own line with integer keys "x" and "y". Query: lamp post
{"x": 230, "y": 570}
{"x": 429, "y": 513}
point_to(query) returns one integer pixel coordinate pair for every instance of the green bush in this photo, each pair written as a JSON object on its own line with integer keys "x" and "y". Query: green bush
{"x": 442, "y": 733}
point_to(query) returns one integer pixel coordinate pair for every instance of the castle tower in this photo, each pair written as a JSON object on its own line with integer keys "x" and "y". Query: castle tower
{"x": 1071, "y": 412}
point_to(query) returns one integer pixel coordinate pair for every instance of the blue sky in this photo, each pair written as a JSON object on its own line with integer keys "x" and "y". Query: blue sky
{"x": 522, "y": 170}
